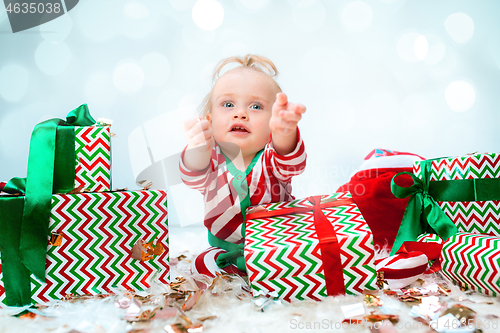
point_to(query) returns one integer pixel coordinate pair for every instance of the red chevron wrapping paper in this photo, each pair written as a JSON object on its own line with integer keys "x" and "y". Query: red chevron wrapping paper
{"x": 93, "y": 158}
{"x": 473, "y": 262}
{"x": 283, "y": 254}
{"x": 474, "y": 216}
{"x": 99, "y": 231}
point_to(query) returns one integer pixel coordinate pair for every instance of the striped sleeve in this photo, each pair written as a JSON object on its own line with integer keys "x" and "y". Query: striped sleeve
{"x": 197, "y": 180}
{"x": 284, "y": 167}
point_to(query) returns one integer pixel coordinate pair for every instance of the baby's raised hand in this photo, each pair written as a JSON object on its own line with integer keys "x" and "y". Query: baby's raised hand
{"x": 198, "y": 132}
{"x": 285, "y": 116}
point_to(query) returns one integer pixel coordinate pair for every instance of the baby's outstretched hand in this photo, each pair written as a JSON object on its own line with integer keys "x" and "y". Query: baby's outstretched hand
{"x": 198, "y": 132}
{"x": 285, "y": 116}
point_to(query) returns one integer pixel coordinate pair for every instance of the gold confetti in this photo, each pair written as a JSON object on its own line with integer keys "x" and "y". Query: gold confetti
{"x": 372, "y": 300}
{"x": 381, "y": 317}
{"x": 56, "y": 238}
{"x": 464, "y": 314}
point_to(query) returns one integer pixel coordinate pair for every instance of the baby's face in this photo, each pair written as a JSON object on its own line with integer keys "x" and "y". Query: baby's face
{"x": 242, "y": 101}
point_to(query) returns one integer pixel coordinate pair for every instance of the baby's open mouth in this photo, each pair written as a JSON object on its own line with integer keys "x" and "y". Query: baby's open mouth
{"x": 240, "y": 129}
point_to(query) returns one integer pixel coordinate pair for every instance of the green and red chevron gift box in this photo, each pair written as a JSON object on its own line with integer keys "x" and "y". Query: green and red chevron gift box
{"x": 473, "y": 262}
{"x": 309, "y": 248}
{"x": 93, "y": 236}
{"x": 475, "y": 179}
{"x": 93, "y": 158}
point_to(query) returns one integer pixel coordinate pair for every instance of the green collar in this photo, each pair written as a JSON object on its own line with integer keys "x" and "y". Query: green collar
{"x": 240, "y": 184}
{"x": 235, "y": 171}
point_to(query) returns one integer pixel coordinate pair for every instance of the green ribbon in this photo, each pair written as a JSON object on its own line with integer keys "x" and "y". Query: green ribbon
{"x": 422, "y": 214}
{"x": 51, "y": 169}
{"x": 234, "y": 254}
{"x": 16, "y": 277}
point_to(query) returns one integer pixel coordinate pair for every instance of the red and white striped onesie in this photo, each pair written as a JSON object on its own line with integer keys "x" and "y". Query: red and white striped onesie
{"x": 268, "y": 181}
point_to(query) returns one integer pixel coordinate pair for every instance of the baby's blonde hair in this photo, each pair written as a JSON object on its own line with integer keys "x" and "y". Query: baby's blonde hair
{"x": 250, "y": 61}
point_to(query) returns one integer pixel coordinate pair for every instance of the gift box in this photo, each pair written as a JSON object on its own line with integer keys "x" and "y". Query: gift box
{"x": 474, "y": 204}
{"x": 473, "y": 262}
{"x": 93, "y": 158}
{"x": 309, "y": 248}
{"x": 91, "y": 243}
{"x": 450, "y": 195}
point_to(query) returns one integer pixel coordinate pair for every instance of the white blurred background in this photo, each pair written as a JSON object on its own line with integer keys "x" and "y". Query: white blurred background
{"x": 416, "y": 76}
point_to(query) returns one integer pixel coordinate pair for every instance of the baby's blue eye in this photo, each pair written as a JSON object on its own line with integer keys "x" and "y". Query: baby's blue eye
{"x": 228, "y": 105}
{"x": 256, "y": 107}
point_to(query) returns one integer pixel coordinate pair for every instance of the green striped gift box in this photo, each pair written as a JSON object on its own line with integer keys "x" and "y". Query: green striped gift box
{"x": 98, "y": 233}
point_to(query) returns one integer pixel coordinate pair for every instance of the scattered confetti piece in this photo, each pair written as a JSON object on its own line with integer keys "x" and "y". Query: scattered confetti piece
{"x": 372, "y": 300}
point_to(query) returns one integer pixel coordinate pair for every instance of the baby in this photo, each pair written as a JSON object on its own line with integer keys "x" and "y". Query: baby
{"x": 243, "y": 151}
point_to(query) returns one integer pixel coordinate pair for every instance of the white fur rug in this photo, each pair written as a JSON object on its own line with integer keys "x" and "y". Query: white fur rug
{"x": 234, "y": 309}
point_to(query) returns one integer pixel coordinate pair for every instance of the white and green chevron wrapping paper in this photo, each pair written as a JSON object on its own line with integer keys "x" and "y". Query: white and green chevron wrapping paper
{"x": 473, "y": 262}
{"x": 429, "y": 238}
{"x": 472, "y": 216}
{"x": 99, "y": 231}
{"x": 93, "y": 158}
{"x": 283, "y": 255}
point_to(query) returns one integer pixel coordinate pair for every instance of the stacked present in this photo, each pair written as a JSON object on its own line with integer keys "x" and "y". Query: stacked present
{"x": 467, "y": 189}
{"x": 455, "y": 204}
{"x": 309, "y": 248}
{"x": 65, "y": 232}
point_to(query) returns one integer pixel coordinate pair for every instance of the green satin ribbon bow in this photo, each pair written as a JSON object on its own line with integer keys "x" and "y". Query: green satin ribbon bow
{"x": 234, "y": 254}
{"x": 422, "y": 214}
{"x": 51, "y": 169}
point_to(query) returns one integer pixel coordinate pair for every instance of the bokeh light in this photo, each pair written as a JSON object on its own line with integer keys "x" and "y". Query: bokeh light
{"x": 128, "y": 77}
{"x": 409, "y": 44}
{"x": 460, "y": 96}
{"x": 13, "y": 82}
{"x": 52, "y": 58}
{"x": 308, "y": 15}
{"x": 460, "y": 27}
{"x": 357, "y": 16}
{"x": 208, "y": 14}
{"x": 99, "y": 89}
{"x": 421, "y": 47}
{"x": 156, "y": 68}
{"x": 436, "y": 50}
